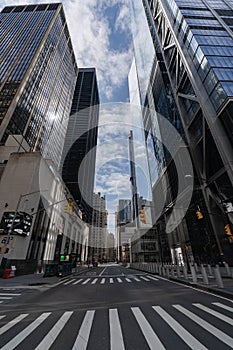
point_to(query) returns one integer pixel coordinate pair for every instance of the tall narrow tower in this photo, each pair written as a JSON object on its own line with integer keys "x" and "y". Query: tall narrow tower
{"x": 133, "y": 179}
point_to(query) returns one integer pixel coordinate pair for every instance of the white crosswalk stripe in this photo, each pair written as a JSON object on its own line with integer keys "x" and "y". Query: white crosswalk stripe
{"x": 215, "y": 313}
{"x": 12, "y": 323}
{"x": 151, "y": 337}
{"x": 84, "y": 332}
{"x": 116, "y": 338}
{"x": 68, "y": 282}
{"x": 145, "y": 328}
{"x": 6, "y": 295}
{"x": 144, "y": 278}
{"x": 202, "y": 323}
{"x": 107, "y": 280}
{"x": 181, "y": 331}
{"x": 85, "y": 282}
{"x": 52, "y": 335}
{"x": 78, "y": 281}
{"x": 226, "y": 307}
{"x": 24, "y": 334}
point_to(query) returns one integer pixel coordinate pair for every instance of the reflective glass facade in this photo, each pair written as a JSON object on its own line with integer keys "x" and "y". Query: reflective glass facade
{"x": 79, "y": 153}
{"x": 196, "y": 45}
{"x": 37, "y": 76}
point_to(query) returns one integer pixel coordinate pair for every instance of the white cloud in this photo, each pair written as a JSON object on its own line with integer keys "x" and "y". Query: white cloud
{"x": 90, "y": 33}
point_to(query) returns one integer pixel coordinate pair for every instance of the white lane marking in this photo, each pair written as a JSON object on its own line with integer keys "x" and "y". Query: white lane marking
{"x": 102, "y": 281}
{"x": 102, "y": 271}
{"x": 1, "y": 301}
{"x": 84, "y": 332}
{"x": 202, "y": 323}
{"x": 214, "y": 313}
{"x": 116, "y": 338}
{"x": 94, "y": 281}
{"x": 28, "y": 330}
{"x": 70, "y": 281}
{"x": 151, "y": 338}
{"x": 144, "y": 278}
{"x": 111, "y": 280}
{"x": 228, "y": 308}
{"x": 136, "y": 279}
{"x": 153, "y": 278}
{"x": 119, "y": 280}
{"x": 127, "y": 279}
{"x": 6, "y": 298}
{"x": 86, "y": 281}
{"x": 78, "y": 281}
{"x": 2, "y": 316}
{"x": 54, "y": 332}
{"x": 192, "y": 342}
{"x": 12, "y": 323}
{"x": 67, "y": 279}
{"x": 10, "y": 294}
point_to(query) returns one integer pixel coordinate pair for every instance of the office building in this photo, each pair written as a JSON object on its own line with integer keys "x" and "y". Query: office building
{"x": 98, "y": 229}
{"x": 190, "y": 83}
{"x": 38, "y": 74}
{"x": 79, "y": 154}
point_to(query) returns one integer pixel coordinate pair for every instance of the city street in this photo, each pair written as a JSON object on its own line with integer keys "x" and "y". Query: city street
{"x": 113, "y": 307}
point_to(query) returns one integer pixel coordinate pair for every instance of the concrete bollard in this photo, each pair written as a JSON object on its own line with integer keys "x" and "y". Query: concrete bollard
{"x": 167, "y": 271}
{"x": 178, "y": 271}
{"x": 218, "y": 277}
{"x": 194, "y": 274}
{"x": 196, "y": 267}
{"x": 163, "y": 271}
{"x": 172, "y": 271}
{"x": 204, "y": 274}
{"x": 210, "y": 270}
{"x": 228, "y": 271}
{"x": 185, "y": 272}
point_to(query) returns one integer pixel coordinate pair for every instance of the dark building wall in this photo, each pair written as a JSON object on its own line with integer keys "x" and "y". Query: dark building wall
{"x": 79, "y": 155}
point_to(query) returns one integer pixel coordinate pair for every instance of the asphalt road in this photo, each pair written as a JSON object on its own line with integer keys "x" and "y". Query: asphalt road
{"x": 116, "y": 308}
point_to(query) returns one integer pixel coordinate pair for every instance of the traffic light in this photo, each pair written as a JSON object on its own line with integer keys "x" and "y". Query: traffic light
{"x": 142, "y": 215}
{"x": 199, "y": 215}
{"x": 228, "y": 230}
{"x": 69, "y": 208}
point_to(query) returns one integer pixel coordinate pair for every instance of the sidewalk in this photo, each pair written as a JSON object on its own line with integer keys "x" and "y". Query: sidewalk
{"x": 212, "y": 287}
{"x": 35, "y": 280}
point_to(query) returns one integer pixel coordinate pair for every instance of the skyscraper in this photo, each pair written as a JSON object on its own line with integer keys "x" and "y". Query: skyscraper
{"x": 37, "y": 76}
{"x": 191, "y": 84}
{"x": 79, "y": 154}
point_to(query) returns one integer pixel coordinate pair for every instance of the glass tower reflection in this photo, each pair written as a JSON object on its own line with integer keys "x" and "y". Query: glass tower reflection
{"x": 37, "y": 76}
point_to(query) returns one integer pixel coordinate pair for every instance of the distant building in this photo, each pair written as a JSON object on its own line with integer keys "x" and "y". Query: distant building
{"x": 98, "y": 229}
{"x": 110, "y": 251}
{"x": 79, "y": 154}
{"x": 38, "y": 73}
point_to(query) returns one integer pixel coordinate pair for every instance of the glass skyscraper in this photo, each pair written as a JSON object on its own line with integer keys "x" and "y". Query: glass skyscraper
{"x": 37, "y": 76}
{"x": 79, "y": 154}
{"x": 191, "y": 85}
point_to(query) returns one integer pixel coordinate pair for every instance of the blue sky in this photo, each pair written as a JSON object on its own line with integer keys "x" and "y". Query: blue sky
{"x": 101, "y": 35}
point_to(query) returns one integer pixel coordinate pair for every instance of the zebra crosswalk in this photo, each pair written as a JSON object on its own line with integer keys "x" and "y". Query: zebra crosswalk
{"x": 77, "y": 330}
{"x": 107, "y": 280}
{"x": 7, "y": 296}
